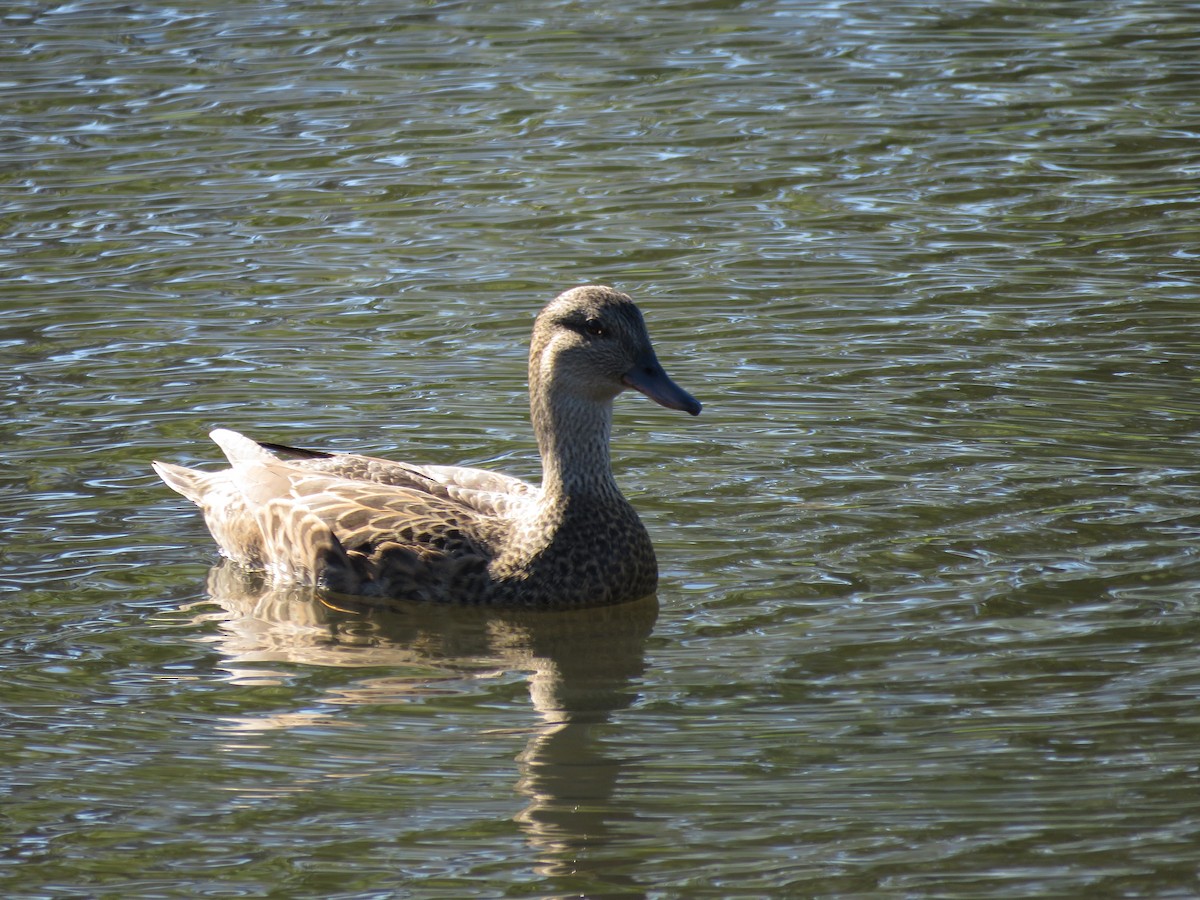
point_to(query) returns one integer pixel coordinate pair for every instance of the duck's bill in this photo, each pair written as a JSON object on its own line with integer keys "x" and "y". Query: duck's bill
{"x": 652, "y": 381}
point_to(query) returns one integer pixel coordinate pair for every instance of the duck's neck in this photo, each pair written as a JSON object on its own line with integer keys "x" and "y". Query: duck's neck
{"x": 573, "y": 435}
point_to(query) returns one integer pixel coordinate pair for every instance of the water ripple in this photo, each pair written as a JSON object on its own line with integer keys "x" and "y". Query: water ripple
{"x": 929, "y": 565}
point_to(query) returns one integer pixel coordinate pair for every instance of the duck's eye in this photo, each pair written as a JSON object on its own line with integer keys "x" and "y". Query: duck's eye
{"x": 594, "y": 328}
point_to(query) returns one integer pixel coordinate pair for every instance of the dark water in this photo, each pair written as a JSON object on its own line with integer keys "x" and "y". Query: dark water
{"x": 928, "y": 620}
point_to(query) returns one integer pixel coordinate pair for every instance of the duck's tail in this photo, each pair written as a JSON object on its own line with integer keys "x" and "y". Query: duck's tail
{"x": 258, "y": 518}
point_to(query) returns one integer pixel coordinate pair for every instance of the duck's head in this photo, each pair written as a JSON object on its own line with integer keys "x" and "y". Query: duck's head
{"x": 591, "y": 343}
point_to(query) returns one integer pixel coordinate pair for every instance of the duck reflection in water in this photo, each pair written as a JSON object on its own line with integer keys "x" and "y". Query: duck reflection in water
{"x": 583, "y": 665}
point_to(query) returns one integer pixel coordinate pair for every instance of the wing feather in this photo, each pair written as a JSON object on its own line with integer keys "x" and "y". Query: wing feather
{"x": 354, "y": 523}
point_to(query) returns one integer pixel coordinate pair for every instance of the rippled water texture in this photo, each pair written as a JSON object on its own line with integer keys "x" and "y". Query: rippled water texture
{"x": 928, "y": 620}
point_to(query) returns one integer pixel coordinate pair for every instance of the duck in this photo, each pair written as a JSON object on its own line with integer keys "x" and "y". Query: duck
{"x": 378, "y": 530}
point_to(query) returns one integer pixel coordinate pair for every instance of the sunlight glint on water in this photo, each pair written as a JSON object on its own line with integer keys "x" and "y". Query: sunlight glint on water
{"x": 927, "y": 617}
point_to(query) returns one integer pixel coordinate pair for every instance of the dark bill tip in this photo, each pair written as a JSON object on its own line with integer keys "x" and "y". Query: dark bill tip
{"x": 652, "y": 381}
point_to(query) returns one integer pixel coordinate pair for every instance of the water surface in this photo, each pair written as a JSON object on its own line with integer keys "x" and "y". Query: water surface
{"x": 928, "y": 618}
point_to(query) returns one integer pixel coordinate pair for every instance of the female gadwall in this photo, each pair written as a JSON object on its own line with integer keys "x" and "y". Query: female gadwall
{"x": 372, "y": 528}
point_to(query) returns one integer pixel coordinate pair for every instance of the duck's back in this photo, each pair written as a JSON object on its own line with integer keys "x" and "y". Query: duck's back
{"x": 487, "y": 493}
{"x": 312, "y": 520}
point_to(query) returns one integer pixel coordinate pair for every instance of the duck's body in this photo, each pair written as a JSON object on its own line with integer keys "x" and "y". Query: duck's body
{"x": 380, "y": 529}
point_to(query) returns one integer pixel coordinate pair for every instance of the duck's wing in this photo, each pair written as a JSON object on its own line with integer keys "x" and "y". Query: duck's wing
{"x": 488, "y": 493}
{"x": 353, "y": 536}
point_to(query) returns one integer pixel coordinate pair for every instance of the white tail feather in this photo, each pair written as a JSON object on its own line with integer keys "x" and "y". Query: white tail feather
{"x": 239, "y": 448}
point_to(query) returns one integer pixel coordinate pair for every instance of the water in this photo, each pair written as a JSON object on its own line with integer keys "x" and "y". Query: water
{"x": 928, "y": 616}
